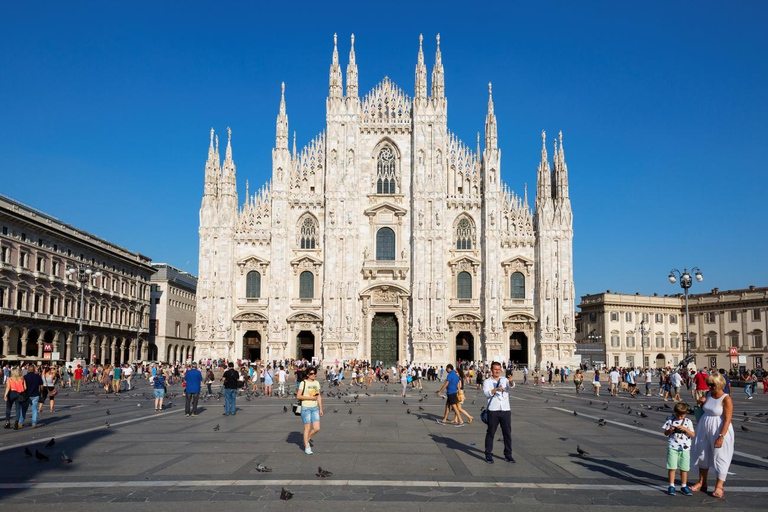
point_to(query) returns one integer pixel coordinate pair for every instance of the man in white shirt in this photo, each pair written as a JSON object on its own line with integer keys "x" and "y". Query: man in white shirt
{"x": 496, "y": 390}
{"x": 281, "y": 381}
{"x": 632, "y": 382}
{"x": 614, "y": 376}
{"x": 676, "y": 380}
{"x": 128, "y": 375}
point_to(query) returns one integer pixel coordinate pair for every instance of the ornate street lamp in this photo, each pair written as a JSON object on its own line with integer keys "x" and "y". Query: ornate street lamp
{"x": 642, "y": 330}
{"x": 686, "y": 282}
{"x": 83, "y": 273}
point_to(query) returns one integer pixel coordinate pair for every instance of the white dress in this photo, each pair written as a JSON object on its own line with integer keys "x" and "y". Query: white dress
{"x": 704, "y": 455}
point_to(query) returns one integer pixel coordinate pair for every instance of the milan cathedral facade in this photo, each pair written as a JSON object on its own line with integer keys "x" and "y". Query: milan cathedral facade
{"x": 386, "y": 238}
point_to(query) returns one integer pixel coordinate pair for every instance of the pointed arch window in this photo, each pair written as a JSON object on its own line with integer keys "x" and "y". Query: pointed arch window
{"x": 385, "y": 244}
{"x": 517, "y": 286}
{"x": 308, "y": 230}
{"x": 385, "y": 171}
{"x": 465, "y": 235}
{"x": 253, "y": 285}
{"x": 464, "y": 285}
{"x": 307, "y": 285}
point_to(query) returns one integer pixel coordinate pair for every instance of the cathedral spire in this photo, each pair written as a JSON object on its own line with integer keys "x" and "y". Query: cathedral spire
{"x": 334, "y": 81}
{"x": 561, "y": 172}
{"x": 212, "y": 169}
{"x": 421, "y": 72}
{"x": 543, "y": 175}
{"x": 352, "y": 71}
{"x": 281, "y": 132}
{"x": 229, "y": 179}
{"x": 438, "y": 75}
{"x": 294, "y": 144}
{"x": 491, "y": 131}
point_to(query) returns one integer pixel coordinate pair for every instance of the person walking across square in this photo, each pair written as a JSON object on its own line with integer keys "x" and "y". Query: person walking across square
{"x": 496, "y": 390}
{"x": 230, "y": 378}
{"x": 194, "y": 379}
{"x": 311, "y": 407}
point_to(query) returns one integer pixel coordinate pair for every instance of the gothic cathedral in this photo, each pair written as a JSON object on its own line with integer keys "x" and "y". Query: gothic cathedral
{"x": 386, "y": 238}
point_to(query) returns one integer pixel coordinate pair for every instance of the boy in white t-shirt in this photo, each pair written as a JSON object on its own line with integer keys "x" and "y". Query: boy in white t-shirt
{"x": 679, "y": 429}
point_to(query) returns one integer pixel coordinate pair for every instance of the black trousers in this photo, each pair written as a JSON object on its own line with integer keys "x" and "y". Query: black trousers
{"x": 496, "y": 418}
{"x": 190, "y": 405}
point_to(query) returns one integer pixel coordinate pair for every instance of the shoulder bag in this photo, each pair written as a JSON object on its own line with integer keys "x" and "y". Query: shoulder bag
{"x": 484, "y": 411}
{"x": 297, "y": 406}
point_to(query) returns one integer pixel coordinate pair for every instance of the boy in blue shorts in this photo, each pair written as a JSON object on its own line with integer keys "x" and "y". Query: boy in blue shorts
{"x": 679, "y": 430}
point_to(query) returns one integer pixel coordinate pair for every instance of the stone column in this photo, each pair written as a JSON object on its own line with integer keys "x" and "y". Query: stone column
{"x": 122, "y": 351}
{"x": 24, "y": 338}
{"x": 40, "y": 349}
{"x": 144, "y": 350}
{"x": 68, "y": 353}
{"x": 6, "y": 340}
{"x": 56, "y": 342}
{"x": 102, "y": 354}
{"x": 112, "y": 350}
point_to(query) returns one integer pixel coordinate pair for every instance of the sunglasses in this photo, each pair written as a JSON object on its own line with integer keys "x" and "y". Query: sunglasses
{"x": 313, "y": 373}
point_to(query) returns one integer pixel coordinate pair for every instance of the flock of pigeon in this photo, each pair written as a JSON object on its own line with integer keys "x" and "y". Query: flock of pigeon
{"x": 41, "y": 457}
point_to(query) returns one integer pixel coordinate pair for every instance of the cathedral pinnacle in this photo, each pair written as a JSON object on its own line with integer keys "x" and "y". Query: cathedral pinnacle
{"x": 543, "y": 175}
{"x": 421, "y": 72}
{"x": 491, "y": 130}
{"x": 438, "y": 75}
{"x": 352, "y": 70}
{"x": 281, "y": 130}
{"x": 334, "y": 80}
{"x": 294, "y": 144}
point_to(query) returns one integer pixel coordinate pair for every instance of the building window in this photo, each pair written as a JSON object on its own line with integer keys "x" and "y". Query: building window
{"x": 615, "y": 341}
{"x": 517, "y": 286}
{"x": 757, "y": 339}
{"x": 756, "y": 315}
{"x": 385, "y": 244}
{"x": 709, "y": 318}
{"x": 692, "y": 319}
{"x": 672, "y": 319}
{"x": 646, "y": 317}
{"x": 189, "y": 331}
{"x": 308, "y": 233}
{"x": 464, "y": 285}
{"x": 711, "y": 340}
{"x": 178, "y": 329}
{"x": 630, "y": 341}
{"x": 733, "y": 340}
{"x": 21, "y": 300}
{"x": 659, "y": 342}
{"x": 253, "y": 285}
{"x": 37, "y": 303}
{"x": 385, "y": 171}
{"x": 614, "y": 316}
{"x": 3, "y": 293}
{"x": 307, "y": 285}
{"x": 23, "y": 259}
{"x": 55, "y": 268}
{"x": 628, "y": 316}
{"x": 40, "y": 267}
{"x": 631, "y": 361}
{"x": 616, "y": 361}
{"x": 692, "y": 341}
{"x": 674, "y": 342}
{"x": 465, "y": 234}
{"x": 659, "y": 318}
{"x": 646, "y": 341}
{"x": 733, "y": 316}
{"x": 592, "y": 316}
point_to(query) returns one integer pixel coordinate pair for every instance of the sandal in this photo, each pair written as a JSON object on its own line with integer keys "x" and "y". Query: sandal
{"x": 698, "y": 487}
{"x": 718, "y": 493}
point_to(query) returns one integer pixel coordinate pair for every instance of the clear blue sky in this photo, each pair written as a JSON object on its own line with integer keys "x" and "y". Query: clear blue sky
{"x": 107, "y": 107}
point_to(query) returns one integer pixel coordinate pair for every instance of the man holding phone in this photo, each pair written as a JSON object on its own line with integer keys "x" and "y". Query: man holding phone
{"x": 496, "y": 389}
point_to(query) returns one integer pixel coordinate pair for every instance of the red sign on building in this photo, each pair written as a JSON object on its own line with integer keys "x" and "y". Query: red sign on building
{"x": 734, "y": 351}
{"x": 47, "y": 347}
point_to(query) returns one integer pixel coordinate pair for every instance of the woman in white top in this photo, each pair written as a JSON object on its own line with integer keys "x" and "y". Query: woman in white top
{"x": 713, "y": 444}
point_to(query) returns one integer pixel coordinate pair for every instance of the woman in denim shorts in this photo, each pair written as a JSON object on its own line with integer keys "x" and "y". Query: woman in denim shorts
{"x": 311, "y": 407}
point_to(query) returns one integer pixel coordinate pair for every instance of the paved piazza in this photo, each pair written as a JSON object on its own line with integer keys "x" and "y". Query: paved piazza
{"x": 390, "y": 458}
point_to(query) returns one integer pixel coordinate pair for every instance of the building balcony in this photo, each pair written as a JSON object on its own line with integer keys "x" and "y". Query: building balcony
{"x": 314, "y": 303}
{"x": 385, "y": 269}
{"x": 253, "y": 303}
{"x": 464, "y": 303}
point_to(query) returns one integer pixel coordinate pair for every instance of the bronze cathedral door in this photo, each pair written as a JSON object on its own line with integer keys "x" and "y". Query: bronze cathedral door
{"x": 384, "y": 338}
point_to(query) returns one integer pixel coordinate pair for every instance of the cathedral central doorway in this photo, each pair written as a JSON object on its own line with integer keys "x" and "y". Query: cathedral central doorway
{"x": 384, "y": 338}
{"x": 252, "y": 346}
{"x": 465, "y": 346}
{"x": 518, "y": 349}
{"x": 305, "y": 345}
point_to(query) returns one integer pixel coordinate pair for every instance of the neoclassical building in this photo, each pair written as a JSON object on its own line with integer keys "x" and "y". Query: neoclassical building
{"x": 40, "y": 299}
{"x": 386, "y": 238}
{"x": 172, "y": 313}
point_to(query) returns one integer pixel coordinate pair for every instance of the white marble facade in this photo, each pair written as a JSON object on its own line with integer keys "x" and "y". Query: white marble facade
{"x": 386, "y": 237}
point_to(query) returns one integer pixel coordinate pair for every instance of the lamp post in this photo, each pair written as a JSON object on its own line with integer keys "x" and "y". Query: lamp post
{"x": 593, "y": 337}
{"x": 685, "y": 283}
{"x": 138, "y": 310}
{"x": 643, "y": 331}
{"x": 83, "y": 273}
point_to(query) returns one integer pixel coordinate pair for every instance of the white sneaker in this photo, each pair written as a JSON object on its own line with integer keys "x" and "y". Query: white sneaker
{"x": 308, "y": 451}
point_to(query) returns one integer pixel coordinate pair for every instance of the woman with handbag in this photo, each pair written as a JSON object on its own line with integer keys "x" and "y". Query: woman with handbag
{"x": 50, "y": 377}
{"x": 460, "y": 396}
{"x": 15, "y": 393}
